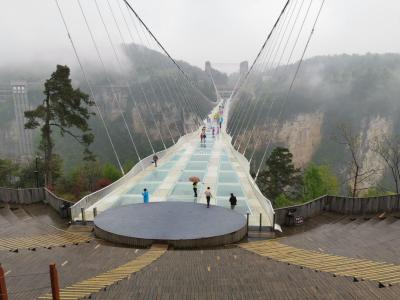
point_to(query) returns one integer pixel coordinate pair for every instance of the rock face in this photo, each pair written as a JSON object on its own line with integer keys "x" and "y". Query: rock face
{"x": 302, "y": 135}
{"x": 374, "y": 129}
{"x": 359, "y": 91}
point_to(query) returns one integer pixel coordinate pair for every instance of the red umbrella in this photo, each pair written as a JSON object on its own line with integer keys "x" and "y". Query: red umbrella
{"x": 194, "y": 179}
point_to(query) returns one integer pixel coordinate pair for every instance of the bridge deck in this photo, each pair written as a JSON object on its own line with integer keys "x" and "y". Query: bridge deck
{"x": 214, "y": 162}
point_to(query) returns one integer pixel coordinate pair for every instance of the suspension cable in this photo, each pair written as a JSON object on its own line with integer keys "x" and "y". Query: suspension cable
{"x": 167, "y": 88}
{"x": 120, "y": 65}
{"x": 165, "y": 51}
{"x": 89, "y": 85}
{"x": 125, "y": 45}
{"x": 139, "y": 35}
{"x": 286, "y": 67}
{"x": 273, "y": 49}
{"x": 265, "y": 42}
{"x": 273, "y": 74}
{"x": 293, "y": 80}
{"x": 114, "y": 97}
{"x": 247, "y": 76}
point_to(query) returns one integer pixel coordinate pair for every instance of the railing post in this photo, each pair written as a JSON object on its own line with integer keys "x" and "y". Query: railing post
{"x": 94, "y": 212}
{"x": 260, "y": 222}
{"x": 55, "y": 288}
{"x": 273, "y": 222}
{"x": 83, "y": 215}
{"x": 247, "y": 224}
{"x": 3, "y": 287}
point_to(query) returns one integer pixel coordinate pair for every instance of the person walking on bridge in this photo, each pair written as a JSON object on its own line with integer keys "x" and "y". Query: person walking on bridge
{"x": 155, "y": 159}
{"x": 233, "y": 201}
{"x": 146, "y": 196}
{"x": 208, "y": 196}
{"x": 195, "y": 188}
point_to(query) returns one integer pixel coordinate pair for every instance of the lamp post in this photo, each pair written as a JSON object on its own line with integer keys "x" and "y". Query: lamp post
{"x": 37, "y": 171}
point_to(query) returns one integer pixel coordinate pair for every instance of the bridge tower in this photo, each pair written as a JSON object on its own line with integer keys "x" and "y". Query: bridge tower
{"x": 21, "y": 104}
{"x": 207, "y": 67}
{"x": 243, "y": 68}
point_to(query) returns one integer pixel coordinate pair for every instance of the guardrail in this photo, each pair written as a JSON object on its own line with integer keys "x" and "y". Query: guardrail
{"x": 245, "y": 165}
{"x": 35, "y": 195}
{"x": 338, "y": 204}
{"x": 21, "y": 196}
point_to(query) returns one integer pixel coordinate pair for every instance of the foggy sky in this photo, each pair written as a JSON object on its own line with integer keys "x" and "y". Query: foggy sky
{"x": 197, "y": 30}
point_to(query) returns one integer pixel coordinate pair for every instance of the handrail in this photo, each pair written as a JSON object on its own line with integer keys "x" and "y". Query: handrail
{"x": 245, "y": 164}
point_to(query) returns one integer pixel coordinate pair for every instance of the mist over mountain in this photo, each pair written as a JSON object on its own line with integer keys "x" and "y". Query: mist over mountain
{"x": 361, "y": 91}
{"x": 149, "y": 86}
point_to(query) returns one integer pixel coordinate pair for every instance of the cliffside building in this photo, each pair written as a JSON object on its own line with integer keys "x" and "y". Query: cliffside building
{"x": 21, "y": 104}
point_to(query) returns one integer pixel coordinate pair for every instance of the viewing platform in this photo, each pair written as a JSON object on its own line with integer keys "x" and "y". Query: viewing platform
{"x": 178, "y": 224}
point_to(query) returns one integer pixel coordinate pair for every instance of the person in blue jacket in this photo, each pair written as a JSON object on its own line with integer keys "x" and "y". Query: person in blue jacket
{"x": 145, "y": 196}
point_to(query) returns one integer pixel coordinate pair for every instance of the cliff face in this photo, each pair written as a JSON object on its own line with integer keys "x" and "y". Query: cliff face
{"x": 302, "y": 135}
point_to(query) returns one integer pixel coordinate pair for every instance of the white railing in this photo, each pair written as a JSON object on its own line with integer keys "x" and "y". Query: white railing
{"x": 245, "y": 165}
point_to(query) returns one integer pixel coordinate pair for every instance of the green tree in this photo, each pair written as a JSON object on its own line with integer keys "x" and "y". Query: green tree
{"x": 64, "y": 108}
{"x": 111, "y": 172}
{"x": 319, "y": 180}
{"x": 8, "y": 171}
{"x": 280, "y": 176}
{"x": 80, "y": 181}
{"x": 27, "y": 177}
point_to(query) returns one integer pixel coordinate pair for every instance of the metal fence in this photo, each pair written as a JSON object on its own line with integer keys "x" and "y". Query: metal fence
{"x": 21, "y": 196}
{"x": 35, "y": 195}
{"x": 342, "y": 205}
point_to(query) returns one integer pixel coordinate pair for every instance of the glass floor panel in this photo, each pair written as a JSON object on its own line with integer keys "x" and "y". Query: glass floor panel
{"x": 240, "y": 207}
{"x": 138, "y": 188}
{"x": 175, "y": 157}
{"x": 186, "y": 174}
{"x": 205, "y": 146}
{"x": 182, "y": 199}
{"x": 128, "y": 199}
{"x": 200, "y": 157}
{"x": 167, "y": 166}
{"x": 196, "y": 166}
{"x": 202, "y": 151}
{"x": 225, "y": 190}
{"x": 228, "y": 177}
{"x": 184, "y": 189}
{"x": 225, "y": 166}
{"x": 224, "y": 158}
{"x": 156, "y": 175}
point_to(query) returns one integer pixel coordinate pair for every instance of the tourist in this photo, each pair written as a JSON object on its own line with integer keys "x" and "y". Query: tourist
{"x": 145, "y": 196}
{"x": 213, "y": 131}
{"x": 220, "y": 122}
{"x": 195, "y": 188}
{"x": 155, "y": 159}
{"x": 208, "y": 196}
{"x": 233, "y": 201}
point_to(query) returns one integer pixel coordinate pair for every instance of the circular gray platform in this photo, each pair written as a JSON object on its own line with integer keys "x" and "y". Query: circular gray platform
{"x": 180, "y": 224}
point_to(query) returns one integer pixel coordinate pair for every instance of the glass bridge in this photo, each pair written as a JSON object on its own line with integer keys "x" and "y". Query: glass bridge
{"x": 215, "y": 162}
